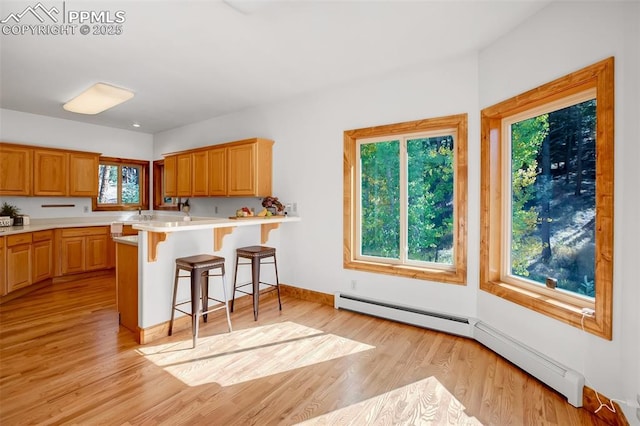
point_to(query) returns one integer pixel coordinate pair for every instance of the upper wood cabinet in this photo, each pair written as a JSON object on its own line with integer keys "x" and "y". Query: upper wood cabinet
{"x": 83, "y": 174}
{"x": 31, "y": 170}
{"x": 15, "y": 169}
{"x": 50, "y": 176}
{"x": 217, "y": 171}
{"x": 183, "y": 165}
{"x": 199, "y": 174}
{"x": 239, "y": 169}
{"x": 249, "y": 168}
{"x": 171, "y": 176}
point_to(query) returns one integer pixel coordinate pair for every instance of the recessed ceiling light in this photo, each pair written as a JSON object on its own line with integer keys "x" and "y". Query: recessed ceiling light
{"x": 136, "y": 125}
{"x": 98, "y": 98}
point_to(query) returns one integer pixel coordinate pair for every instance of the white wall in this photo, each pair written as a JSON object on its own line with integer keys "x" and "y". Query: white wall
{"x": 32, "y": 129}
{"x": 308, "y": 131}
{"x": 562, "y": 38}
{"x": 308, "y": 153}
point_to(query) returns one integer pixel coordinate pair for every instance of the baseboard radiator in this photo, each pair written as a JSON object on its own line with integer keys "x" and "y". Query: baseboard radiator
{"x": 564, "y": 380}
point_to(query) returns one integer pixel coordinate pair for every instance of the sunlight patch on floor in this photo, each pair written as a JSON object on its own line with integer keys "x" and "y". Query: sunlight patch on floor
{"x": 426, "y": 402}
{"x": 250, "y": 354}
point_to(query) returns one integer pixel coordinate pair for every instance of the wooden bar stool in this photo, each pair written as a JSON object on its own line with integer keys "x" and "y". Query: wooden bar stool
{"x": 255, "y": 254}
{"x": 199, "y": 268}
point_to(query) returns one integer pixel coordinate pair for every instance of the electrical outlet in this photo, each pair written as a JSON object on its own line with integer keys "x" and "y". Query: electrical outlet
{"x": 215, "y": 209}
{"x": 85, "y": 209}
{"x": 354, "y": 284}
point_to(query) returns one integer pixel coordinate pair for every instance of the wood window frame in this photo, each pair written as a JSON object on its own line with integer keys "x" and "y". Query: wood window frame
{"x": 549, "y": 302}
{"x": 457, "y": 274}
{"x": 144, "y": 185}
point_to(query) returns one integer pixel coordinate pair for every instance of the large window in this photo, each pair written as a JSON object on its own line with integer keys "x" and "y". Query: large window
{"x": 547, "y": 198}
{"x": 405, "y": 199}
{"x": 122, "y": 184}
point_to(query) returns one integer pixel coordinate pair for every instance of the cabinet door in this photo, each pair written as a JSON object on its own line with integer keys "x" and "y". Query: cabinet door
{"x": 242, "y": 170}
{"x": 218, "y": 171}
{"x": 171, "y": 176}
{"x": 42, "y": 265}
{"x": 3, "y": 268}
{"x": 73, "y": 255}
{"x": 97, "y": 252}
{"x": 15, "y": 170}
{"x": 18, "y": 267}
{"x": 83, "y": 174}
{"x": 50, "y": 174}
{"x": 199, "y": 174}
{"x": 184, "y": 175}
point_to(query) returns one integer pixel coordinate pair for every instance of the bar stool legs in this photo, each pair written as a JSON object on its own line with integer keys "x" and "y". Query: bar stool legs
{"x": 255, "y": 254}
{"x": 199, "y": 268}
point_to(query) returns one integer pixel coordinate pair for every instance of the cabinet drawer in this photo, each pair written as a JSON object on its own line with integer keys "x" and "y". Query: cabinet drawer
{"x": 42, "y": 235}
{"x": 82, "y": 232}
{"x": 14, "y": 240}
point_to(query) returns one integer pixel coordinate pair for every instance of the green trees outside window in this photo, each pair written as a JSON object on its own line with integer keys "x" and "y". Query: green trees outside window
{"x": 118, "y": 184}
{"x": 380, "y": 217}
{"x": 553, "y": 198}
{"x": 423, "y": 196}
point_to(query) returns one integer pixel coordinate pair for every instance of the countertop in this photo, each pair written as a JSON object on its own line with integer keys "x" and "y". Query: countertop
{"x": 209, "y": 223}
{"x": 131, "y": 240}
{"x": 159, "y": 224}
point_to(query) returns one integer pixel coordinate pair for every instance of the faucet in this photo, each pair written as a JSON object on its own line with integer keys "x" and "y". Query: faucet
{"x": 139, "y": 211}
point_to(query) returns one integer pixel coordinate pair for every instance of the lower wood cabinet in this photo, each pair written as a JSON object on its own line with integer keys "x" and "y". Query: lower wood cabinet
{"x": 42, "y": 255}
{"x": 29, "y": 260}
{"x": 83, "y": 249}
{"x": 19, "y": 257}
{"x": 33, "y": 257}
{"x": 3, "y": 268}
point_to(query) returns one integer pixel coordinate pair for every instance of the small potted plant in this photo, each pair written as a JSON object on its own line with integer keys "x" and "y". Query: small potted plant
{"x": 10, "y": 211}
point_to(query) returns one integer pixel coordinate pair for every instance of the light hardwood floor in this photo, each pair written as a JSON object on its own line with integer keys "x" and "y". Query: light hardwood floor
{"x": 64, "y": 360}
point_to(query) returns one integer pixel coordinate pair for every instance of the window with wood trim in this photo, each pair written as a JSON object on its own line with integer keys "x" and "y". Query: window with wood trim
{"x": 547, "y": 199}
{"x": 405, "y": 199}
{"x": 123, "y": 184}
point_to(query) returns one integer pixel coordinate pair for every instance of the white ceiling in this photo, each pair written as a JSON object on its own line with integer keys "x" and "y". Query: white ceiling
{"x": 188, "y": 61}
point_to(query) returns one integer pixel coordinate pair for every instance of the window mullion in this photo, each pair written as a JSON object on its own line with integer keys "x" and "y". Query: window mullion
{"x": 119, "y": 185}
{"x": 404, "y": 237}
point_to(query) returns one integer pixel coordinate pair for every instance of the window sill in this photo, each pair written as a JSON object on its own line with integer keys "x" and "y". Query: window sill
{"x": 449, "y": 276}
{"x": 560, "y": 310}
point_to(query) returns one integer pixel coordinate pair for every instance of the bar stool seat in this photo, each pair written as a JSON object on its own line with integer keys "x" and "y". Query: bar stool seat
{"x": 199, "y": 268}
{"x": 255, "y": 254}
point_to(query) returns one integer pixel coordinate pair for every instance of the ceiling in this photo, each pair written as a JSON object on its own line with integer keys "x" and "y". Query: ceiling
{"x": 188, "y": 61}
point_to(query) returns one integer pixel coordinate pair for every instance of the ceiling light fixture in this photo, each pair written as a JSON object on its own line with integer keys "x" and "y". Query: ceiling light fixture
{"x": 98, "y": 98}
{"x": 136, "y": 125}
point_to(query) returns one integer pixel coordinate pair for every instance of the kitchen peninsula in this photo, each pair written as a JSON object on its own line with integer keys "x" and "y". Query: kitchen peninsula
{"x": 160, "y": 243}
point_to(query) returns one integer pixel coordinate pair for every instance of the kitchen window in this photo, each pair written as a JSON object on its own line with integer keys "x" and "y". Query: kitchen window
{"x": 547, "y": 199}
{"x": 123, "y": 184}
{"x": 405, "y": 192}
